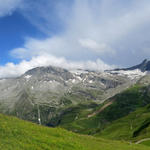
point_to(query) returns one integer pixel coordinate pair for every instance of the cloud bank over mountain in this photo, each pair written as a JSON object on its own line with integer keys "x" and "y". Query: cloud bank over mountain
{"x": 14, "y": 70}
{"x": 82, "y": 31}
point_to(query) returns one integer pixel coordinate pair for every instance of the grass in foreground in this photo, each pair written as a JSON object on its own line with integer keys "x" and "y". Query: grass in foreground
{"x": 17, "y": 134}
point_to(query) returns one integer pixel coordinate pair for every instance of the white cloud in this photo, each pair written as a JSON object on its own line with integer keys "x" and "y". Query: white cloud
{"x": 99, "y": 28}
{"x": 96, "y": 29}
{"x": 8, "y": 6}
{"x": 34, "y": 47}
{"x": 93, "y": 45}
{"x": 14, "y": 70}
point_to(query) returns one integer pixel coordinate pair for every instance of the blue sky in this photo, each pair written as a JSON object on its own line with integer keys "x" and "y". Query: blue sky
{"x": 85, "y": 34}
{"x": 13, "y": 31}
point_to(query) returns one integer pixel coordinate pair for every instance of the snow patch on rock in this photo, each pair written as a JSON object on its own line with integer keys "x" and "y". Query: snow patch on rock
{"x": 132, "y": 74}
{"x": 91, "y": 81}
{"x": 73, "y": 81}
{"x": 28, "y": 76}
{"x": 78, "y": 72}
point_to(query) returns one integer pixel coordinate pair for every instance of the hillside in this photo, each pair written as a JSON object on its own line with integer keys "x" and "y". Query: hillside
{"x": 133, "y": 127}
{"x": 21, "y": 135}
{"x": 90, "y": 121}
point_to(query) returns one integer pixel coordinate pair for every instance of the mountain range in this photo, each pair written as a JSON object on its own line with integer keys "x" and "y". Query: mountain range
{"x": 44, "y": 92}
{"x": 113, "y": 104}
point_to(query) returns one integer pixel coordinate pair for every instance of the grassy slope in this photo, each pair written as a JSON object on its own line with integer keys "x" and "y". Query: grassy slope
{"x": 16, "y": 134}
{"x": 147, "y": 143}
{"x": 72, "y": 117}
{"x": 124, "y": 103}
{"x": 133, "y": 127}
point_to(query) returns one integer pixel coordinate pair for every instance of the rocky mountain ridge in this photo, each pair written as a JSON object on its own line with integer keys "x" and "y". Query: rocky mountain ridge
{"x": 144, "y": 66}
{"x": 42, "y": 93}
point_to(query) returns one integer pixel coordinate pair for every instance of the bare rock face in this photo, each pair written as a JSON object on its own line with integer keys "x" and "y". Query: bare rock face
{"x": 42, "y": 93}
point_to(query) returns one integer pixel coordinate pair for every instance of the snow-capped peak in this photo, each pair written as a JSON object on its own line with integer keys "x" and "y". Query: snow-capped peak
{"x": 132, "y": 74}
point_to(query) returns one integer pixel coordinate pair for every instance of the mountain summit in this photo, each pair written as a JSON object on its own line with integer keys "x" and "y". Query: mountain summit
{"x": 144, "y": 66}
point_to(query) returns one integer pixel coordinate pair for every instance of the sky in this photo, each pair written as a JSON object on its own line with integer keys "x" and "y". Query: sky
{"x": 85, "y": 34}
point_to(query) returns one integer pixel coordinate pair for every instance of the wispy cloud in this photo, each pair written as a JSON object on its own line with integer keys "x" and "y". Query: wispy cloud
{"x": 98, "y": 27}
{"x": 8, "y": 6}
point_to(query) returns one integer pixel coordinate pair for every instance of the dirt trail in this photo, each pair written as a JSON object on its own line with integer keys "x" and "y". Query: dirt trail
{"x": 146, "y": 139}
{"x": 101, "y": 109}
